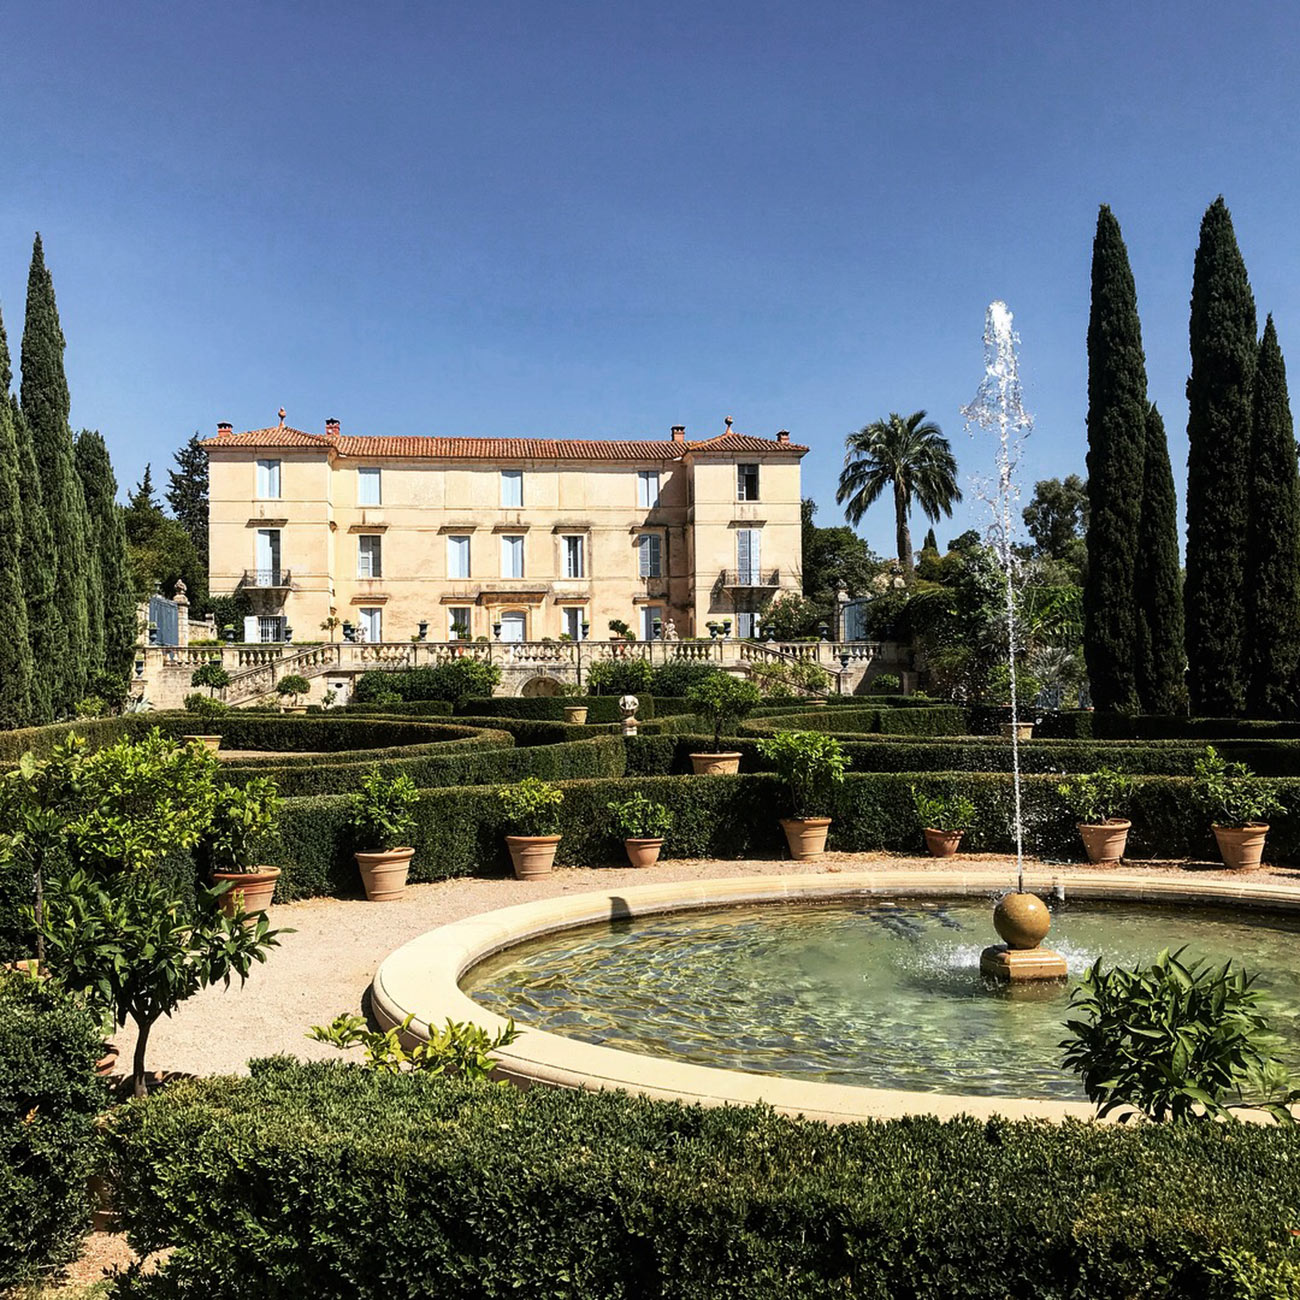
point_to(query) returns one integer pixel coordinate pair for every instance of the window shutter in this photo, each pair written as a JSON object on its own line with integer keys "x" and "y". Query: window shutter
{"x": 251, "y": 631}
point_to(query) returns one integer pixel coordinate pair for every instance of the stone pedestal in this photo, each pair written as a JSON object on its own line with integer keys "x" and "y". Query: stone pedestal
{"x": 1015, "y": 964}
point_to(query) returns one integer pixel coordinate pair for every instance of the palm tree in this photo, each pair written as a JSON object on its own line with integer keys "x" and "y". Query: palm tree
{"x": 914, "y": 457}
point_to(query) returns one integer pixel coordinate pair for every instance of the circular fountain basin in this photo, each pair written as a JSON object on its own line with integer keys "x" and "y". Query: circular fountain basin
{"x": 840, "y": 997}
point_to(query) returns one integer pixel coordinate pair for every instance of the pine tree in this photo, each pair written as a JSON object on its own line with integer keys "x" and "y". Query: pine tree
{"x": 15, "y": 648}
{"x": 112, "y": 570}
{"x": 187, "y": 493}
{"x": 144, "y": 515}
{"x": 1223, "y": 347}
{"x": 45, "y": 404}
{"x": 1117, "y": 413}
{"x": 1272, "y": 541}
{"x": 1158, "y": 581}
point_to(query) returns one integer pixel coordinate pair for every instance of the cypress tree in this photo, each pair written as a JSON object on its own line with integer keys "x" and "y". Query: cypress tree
{"x": 1222, "y": 336}
{"x": 44, "y": 628}
{"x": 1117, "y": 414}
{"x": 15, "y": 648}
{"x": 45, "y": 404}
{"x": 1272, "y": 541}
{"x": 931, "y": 542}
{"x": 116, "y": 609}
{"x": 1159, "y": 583}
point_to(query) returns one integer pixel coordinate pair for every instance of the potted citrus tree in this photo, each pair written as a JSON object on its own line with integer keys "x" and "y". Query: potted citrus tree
{"x": 642, "y": 823}
{"x": 243, "y": 817}
{"x": 532, "y": 810}
{"x": 289, "y": 687}
{"x": 944, "y": 820}
{"x": 812, "y": 765}
{"x": 382, "y": 816}
{"x": 1100, "y": 802}
{"x": 1239, "y": 804}
{"x": 721, "y": 700}
{"x": 212, "y": 675}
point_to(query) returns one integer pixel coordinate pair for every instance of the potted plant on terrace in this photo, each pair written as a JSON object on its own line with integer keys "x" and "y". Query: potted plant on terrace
{"x": 532, "y": 809}
{"x": 1239, "y": 804}
{"x": 642, "y": 823}
{"x": 290, "y": 687}
{"x": 944, "y": 820}
{"x": 1100, "y": 801}
{"x": 382, "y": 817}
{"x": 212, "y": 675}
{"x": 812, "y": 764}
{"x": 722, "y": 700}
{"x": 242, "y": 820}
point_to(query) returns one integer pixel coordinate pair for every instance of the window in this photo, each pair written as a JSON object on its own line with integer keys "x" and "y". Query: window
{"x": 746, "y": 482}
{"x": 268, "y": 480}
{"x": 458, "y": 622}
{"x": 267, "y": 573}
{"x": 650, "y": 555}
{"x": 512, "y": 489}
{"x": 369, "y": 488}
{"x": 512, "y": 557}
{"x": 573, "y": 558}
{"x": 458, "y": 557}
{"x": 370, "y": 556}
{"x": 573, "y": 621}
{"x": 652, "y": 622}
{"x": 370, "y": 624}
{"x": 264, "y": 627}
{"x": 513, "y": 626}
{"x": 647, "y": 488}
{"x": 746, "y": 625}
{"x": 748, "y": 558}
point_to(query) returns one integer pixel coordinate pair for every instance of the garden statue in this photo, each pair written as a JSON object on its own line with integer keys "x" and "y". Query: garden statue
{"x": 670, "y": 630}
{"x": 627, "y": 706}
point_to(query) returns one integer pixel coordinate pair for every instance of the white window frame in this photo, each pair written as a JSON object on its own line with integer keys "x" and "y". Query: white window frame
{"x": 650, "y": 555}
{"x": 456, "y": 552}
{"x": 508, "y": 551}
{"x": 741, "y": 467}
{"x": 370, "y": 620}
{"x": 649, "y": 614}
{"x": 512, "y": 489}
{"x": 574, "y": 617}
{"x": 366, "y": 476}
{"x": 749, "y": 571}
{"x": 453, "y": 612}
{"x": 647, "y": 489}
{"x": 574, "y": 545}
{"x": 269, "y": 480}
{"x": 268, "y": 546}
{"x": 370, "y": 555}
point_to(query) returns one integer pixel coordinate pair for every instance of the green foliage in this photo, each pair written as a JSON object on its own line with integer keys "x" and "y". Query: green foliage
{"x": 812, "y": 766}
{"x": 39, "y": 566}
{"x": 834, "y": 560}
{"x": 789, "y": 616}
{"x": 207, "y": 708}
{"x": 639, "y": 818}
{"x": 363, "y": 1183}
{"x": 236, "y": 838}
{"x": 620, "y": 628}
{"x": 16, "y": 665}
{"x": 187, "y": 493}
{"x": 675, "y": 678}
{"x": 210, "y": 674}
{"x": 459, "y": 1048}
{"x": 940, "y": 812}
{"x": 457, "y": 679}
{"x": 1097, "y": 797}
{"x": 722, "y": 700}
{"x": 550, "y": 708}
{"x": 1231, "y": 794}
{"x": 1224, "y": 350}
{"x": 619, "y": 676}
{"x": 292, "y": 684}
{"x": 532, "y": 807}
{"x": 49, "y": 1097}
{"x": 382, "y": 814}
{"x": 1057, "y": 520}
{"x": 885, "y": 684}
{"x": 1117, "y": 412}
{"x": 1272, "y": 542}
{"x": 1175, "y": 1041}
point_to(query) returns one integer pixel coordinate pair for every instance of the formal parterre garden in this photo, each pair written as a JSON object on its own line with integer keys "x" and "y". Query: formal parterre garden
{"x": 128, "y": 860}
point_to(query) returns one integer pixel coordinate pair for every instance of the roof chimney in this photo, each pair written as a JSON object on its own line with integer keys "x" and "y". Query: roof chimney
{"x": 679, "y": 433}
{"x": 783, "y": 436}
{"x": 331, "y": 428}
{"x": 225, "y": 429}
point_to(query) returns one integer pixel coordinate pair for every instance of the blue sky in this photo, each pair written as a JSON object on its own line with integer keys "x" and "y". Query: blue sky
{"x": 569, "y": 219}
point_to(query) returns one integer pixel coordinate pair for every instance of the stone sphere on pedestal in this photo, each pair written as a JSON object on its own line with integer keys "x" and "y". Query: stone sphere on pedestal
{"x": 1022, "y": 920}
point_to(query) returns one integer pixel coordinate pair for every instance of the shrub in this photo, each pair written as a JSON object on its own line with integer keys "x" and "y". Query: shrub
{"x": 381, "y": 811}
{"x": 91, "y": 707}
{"x": 292, "y": 685}
{"x": 722, "y": 700}
{"x": 639, "y": 818}
{"x": 550, "y": 708}
{"x": 789, "y": 616}
{"x": 211, "y": 675}
{"x": 458, "y": 1048}
{"x": 619, "y": 677}
{"x": 238, "y": 834}
{"x": 953, "y": 812}
{"x": 364, "y": 1184}
{"x": 454, "y": 680}
{"x": 678, "y": 676}
{"x": 205, "y": 707}
{"x": 1175, "y": 1042}
{"x": 1231, "y": 794}
{"x": 532, "y": 807}
{"x": 49, "y": 1097}
{"x": 812, "y": 766}
{"x": 885, "y": 684}
{"x": 1097, "y": 797}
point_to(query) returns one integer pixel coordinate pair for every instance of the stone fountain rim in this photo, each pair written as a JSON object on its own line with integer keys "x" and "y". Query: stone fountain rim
{"x": 422, "y": 979}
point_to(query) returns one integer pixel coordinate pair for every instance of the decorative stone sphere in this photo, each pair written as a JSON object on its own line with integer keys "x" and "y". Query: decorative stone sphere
{"x": 1022, "y": 920}
{"x": 628, "y": 705}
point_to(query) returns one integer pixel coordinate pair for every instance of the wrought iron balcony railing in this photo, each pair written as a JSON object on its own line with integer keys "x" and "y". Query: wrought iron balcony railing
{"x": 752, "y": 577}
{"x": 266, "y": 578}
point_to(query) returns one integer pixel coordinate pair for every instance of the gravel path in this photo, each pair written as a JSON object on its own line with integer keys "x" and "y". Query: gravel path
{"x": 326, "y": 966}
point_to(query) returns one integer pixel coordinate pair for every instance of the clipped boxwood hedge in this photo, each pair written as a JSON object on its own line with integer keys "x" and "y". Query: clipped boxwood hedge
{"x": 356, "y": 1184}
{"x": 411, "y": 708}
{"x": 550, "y": 708}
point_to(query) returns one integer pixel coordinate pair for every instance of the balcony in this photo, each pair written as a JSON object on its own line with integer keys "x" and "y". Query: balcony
{"x": 266, "y": 579}
{"x": 751, "y": 578}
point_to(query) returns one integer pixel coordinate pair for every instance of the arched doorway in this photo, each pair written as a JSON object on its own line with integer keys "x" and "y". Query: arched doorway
{"x": 514, "y": 626}
{"x": 540, "y": 686}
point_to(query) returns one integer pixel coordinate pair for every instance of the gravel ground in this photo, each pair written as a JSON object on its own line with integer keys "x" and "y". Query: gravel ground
{"x": 326, "y": 966}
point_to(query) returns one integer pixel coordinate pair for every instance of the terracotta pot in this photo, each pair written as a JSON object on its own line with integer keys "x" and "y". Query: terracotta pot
{"x": 1022, "y": 920}
{"x": 533, "y": 855}
{"x": 1241, "y": 847}
{"x": 1022, "y": 730}
{"x": 1105, "y": 841}
{"x": 715, "y": 764}
{"x": 576, "y": 713}
{"x": 255, "y": 888}
{"x": 208, "y": 742}
{"x": 384, "y": 873}
{"x": 806, "y": 836}
{"x": 942, "y": 844}
{"x": 107, "y": 1063}
{"x": 643, "y": 853}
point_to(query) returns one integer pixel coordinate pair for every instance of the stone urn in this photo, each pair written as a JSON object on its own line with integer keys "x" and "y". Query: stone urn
{"x": 575, "y": 713}
{"x": 212, "y": 743}
{"x": 1021, "y": 920}
{"x": 726, "y": 764}
{"x": 1017, "y": 731}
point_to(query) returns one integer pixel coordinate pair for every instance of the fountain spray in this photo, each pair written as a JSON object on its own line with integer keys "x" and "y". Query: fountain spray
{"x": 997, "y": 408}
